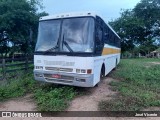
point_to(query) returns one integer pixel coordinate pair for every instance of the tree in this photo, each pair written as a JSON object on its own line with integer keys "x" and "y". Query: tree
{"x": 148, "y": 11}
{"x": 139, "y": 26}
{"x": 19, "y": 18}
{"x": 4, "y": 44}
{"x": 129, "y": 29}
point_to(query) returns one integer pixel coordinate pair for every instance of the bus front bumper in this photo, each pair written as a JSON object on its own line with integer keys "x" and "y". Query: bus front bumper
{"x": 81, "y": 80}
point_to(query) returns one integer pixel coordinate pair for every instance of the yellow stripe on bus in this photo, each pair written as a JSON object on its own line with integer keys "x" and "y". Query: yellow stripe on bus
{"x": 107, "y": 51}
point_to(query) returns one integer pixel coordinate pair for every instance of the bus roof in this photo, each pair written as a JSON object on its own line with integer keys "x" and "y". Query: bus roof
{"x": 68, "y": 15}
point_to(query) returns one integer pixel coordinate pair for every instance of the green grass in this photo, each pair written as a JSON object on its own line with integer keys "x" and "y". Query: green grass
{"x": 52, "y": 98}
{"x": 18, "y": 86}
{"x": 48, "y": 97}
{"x": 138, "y": 88}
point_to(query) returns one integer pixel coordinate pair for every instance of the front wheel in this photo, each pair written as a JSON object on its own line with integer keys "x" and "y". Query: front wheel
{"x": 102, "y": 74}
{"x": 115, "y": 65}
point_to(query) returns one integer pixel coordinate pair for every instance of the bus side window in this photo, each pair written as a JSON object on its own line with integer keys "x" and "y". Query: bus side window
{"x": 116, "y": 42}
{"x": 98, "y": 35}
{"x": 109, "y": 38}
{"x": 99, "y": 39}
{"x": 112, "y": 39}
{"x": 106, "y": 35}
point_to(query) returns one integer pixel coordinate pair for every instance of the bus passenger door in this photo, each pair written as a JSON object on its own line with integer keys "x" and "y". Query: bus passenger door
{"x": 99, "y": 43}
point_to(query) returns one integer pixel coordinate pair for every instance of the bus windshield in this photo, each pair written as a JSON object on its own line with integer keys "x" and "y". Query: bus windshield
{"x": 66, "y": 35}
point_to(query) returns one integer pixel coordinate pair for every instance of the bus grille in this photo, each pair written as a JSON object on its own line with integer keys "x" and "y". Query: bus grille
{"x": 55, "y": 80}
{"x": 59, "y": 69}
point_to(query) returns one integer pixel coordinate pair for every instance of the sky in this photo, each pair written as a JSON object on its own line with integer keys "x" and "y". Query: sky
{"x": 107, "y": 9}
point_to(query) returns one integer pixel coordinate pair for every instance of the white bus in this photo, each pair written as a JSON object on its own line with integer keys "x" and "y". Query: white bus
{"x": 75, "y": 49}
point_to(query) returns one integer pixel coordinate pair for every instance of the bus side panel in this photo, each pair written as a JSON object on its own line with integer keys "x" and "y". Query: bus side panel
{"x": 112, "y": 57}
{"x": 98, "y": 61}
{"x": 110, "y": 62}
{"x": 119, "y": 57}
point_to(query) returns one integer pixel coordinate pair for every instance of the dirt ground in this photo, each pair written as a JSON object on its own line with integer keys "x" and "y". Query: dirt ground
{"x": 87, "y": 102}
{"x": 25, "y": 103}
{"x": 156, "y": 63}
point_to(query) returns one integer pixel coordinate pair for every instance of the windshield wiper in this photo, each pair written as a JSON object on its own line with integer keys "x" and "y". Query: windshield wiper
{"x": 68, "y": 47}
{"x": 66, "y": 44}
{"x": 53, "y": 48}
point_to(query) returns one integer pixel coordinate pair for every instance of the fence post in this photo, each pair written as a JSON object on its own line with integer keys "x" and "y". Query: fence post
{"x": 26, "y": 65}
{"x": 4, "y": 68}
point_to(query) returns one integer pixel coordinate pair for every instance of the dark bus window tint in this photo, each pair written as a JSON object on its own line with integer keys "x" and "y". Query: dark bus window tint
{"x": 111, "y": 38}
{"x": 99, "y": 33}
{"x": 115, "y": 41}
{"x": 99, "y": 39}
{"x": 106, "y": 35}
{"x": 119, "y": 42}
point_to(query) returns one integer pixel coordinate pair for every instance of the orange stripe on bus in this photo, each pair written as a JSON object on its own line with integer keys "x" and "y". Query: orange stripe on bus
{"x": 107, "y": 51}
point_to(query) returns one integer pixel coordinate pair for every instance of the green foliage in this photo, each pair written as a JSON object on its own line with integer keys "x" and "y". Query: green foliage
{"x": 139, "y": 26}
{"x": 139, "y": 85}
{"x": 17, "y": 87}
{"x": 53, "y": 98}
{"x": 20, "y": 20}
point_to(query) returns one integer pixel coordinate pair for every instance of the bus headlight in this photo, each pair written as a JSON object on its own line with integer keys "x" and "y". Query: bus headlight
{"x": 78, "y": 70}
{"x": 39, "y": 67}
{"x": 38, "y": 75}
{"x": 88, "y": 71}
{"x": 80, "y": 80}
{"x": 83, "y": 71}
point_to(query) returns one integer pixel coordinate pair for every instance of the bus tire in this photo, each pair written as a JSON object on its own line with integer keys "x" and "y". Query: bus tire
{"x": 97, "y": 85}
{"x": 115, "y": 65}
{"x": 102, "y": 75}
